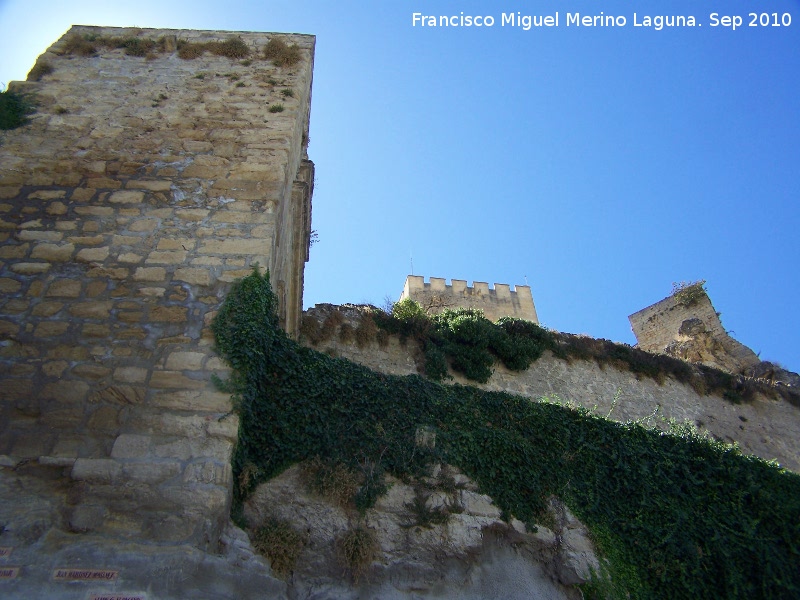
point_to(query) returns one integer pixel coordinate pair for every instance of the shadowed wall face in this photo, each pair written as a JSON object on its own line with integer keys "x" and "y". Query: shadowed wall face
{"x": 146, "y": 182}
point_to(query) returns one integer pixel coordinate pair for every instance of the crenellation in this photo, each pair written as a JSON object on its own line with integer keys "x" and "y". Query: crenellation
{"x": 500, "y": 301}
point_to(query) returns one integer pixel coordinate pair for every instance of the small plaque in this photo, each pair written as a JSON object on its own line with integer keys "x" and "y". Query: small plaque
{"x": 5, "y": 551}
{"x": 85, "y": 575}
{"x": 9, "y": 572}
{"x": 116, "y": 596}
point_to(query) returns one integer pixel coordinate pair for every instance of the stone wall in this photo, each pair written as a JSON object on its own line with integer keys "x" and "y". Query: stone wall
{"x": 690, "y": 330}
{"x": 495, "y": 303}
{"x": 765, "y": 427}
{"x": 141, "y": 189}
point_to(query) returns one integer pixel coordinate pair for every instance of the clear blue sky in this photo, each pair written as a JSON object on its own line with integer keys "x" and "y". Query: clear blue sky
{"x": 601, "y": 164}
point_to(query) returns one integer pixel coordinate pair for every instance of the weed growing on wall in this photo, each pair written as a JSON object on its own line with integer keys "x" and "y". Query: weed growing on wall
{"x": 39, "y": 70}
{"x": 357, "y": 548}
{"x": 14, "y": 110}
{"x": 280, "y": 543}
{"x": 687, "y": 293}
{"x": 282, "y": 54}
{"x": 675, "y": 515}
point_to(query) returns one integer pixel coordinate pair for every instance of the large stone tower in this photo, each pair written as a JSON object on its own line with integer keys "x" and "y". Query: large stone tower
{"x": 160, "y": 166}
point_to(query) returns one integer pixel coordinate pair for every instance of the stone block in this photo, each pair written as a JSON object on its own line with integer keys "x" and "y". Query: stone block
{"x": 94, "y": 211}
{"x": 129, "y": 257}
{"x": 9, "y": 191}
{"x": 32, "y": 235}
{"x": 65, "y": 288}
{"x": 103, "y": 182}
{"x": 9, "y": 286}
{"x": 191, "y": 214}
{"x": 82, "y": 194}
{"x": 87, "y": 517}
{"x": 169, "y": 243}
{"x": 129, "y": 445}
{"x": 104, "y": 419}
{"x": 143, "y": 225}
{"x": 194, "y": 276}
{"x": 236, "y": 246}
{"x": 91, "y": 371}
{"x": 126, "y": 240}
{"x": 73, "y": 392}
{"x": 93, "y": 254}
{"x": 56, "y": 209}
{"x": 54, "y": 368}
{"x": 130, "y": 374}
{"x": 53, "y": 252}
{"x": 179, "y": 361}
{"x": 76, "y": 353}
{"x": 8, "y": 328}
{"x": 193, "y": 400}
{"x": 174, "y": 380}
{"x": 93, "y": 330}
{"x": 208, "y": 472}
{"x": 152, "y": 292}
{"x": 170, "y": 314}
{"x": 107, "y": 273}
{"x": 47, "y": 194}
{"x": 153, "y": 185}
{"x": 227, "y": 428}
{"x": 31, "y": 444}
{"x": 30, "y": 268}
{"x": 479, "y": 505}
{"x": 62, "y": 417}
{"x": 126, "y": 197}
{"x": 91, "y": 310}
{"x": 150, "y": 274}
{"x": 9, "y": 251}
{"x": 151, "y": 472}
{"x": 16, "y": 306}
{"x": 87, "y": 240}
{"x": 169, "y": 257}
{"x": 119, "y": 394}
{"x": 101, "y": 470}
{"x": 49, "y": 329}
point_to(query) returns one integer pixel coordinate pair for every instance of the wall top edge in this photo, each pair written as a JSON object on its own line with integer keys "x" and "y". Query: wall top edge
{"x": 169, "y": 31}
{"x": 418, "y": 280}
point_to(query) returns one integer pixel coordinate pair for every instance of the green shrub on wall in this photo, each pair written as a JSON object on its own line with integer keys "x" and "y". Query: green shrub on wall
{"x": 14, "y": 110}
{"x": 674, "y": 514}
{"x": 470, "y": 344}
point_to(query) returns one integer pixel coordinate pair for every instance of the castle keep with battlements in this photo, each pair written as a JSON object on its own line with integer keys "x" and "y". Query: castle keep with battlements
{"x": 495, "y": 303}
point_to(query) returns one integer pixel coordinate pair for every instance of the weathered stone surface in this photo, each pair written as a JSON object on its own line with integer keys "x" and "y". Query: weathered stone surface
{"x": 91, "y": 310}
{"x": 130, "y": 445}
{"x": 53, "y": 252}
{"x": 471, "y": 556}
{"x": 617, "y": 394}
{"x": 126, "y": 197}
{"x": 105, "y": 329}
{"x": 241, "y": 246}
{"x": 178, "y": 361}
{"x": 93, "y": 254}
{"x": 67, "y": 288}
{"x": 194, "y": 276}
{"x": 200, "y": 399}
{"x": 96, "y": 469}
{"x": 30, "y": 268}
{"x": 9, "y": 286}
{"x": 150, "y": 274}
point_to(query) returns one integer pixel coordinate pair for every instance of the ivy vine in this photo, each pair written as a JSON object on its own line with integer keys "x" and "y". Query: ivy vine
{"x": 675, "y": 515}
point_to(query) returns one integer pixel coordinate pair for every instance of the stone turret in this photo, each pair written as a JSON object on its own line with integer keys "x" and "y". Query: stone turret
{"x": 495, "y": 303}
